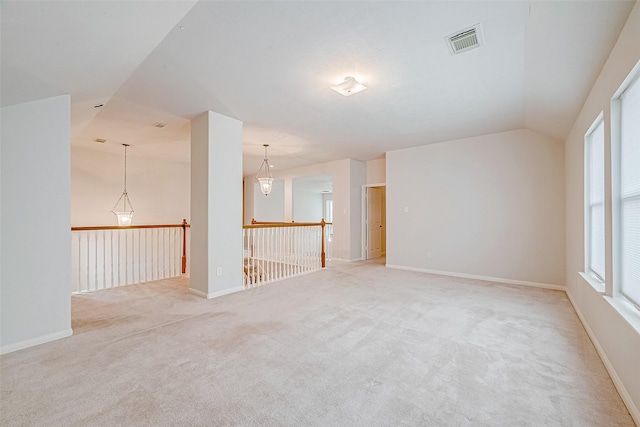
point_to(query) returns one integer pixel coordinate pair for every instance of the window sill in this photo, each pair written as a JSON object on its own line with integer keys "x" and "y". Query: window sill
{"x": 596, "y": 284}
{"x": 627, "y": 310}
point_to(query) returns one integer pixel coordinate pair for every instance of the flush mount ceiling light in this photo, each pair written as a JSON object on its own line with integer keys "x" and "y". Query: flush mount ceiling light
{"x": 264, "y": 174}
{"x": 126, "y": 214}
{"x": 349, "y": 86}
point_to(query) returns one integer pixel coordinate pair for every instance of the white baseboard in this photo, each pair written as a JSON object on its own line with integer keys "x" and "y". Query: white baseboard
{"x": 485, "y": 278}
{"x": 10, "y": 348}
{"x": 624, "y": 394}
{"x": 216, "y": 294}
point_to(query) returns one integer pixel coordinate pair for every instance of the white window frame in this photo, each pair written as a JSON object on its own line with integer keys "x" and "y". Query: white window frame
{"x": 328, "y": 210}
{"x": 597, "y": 279}
{"x": 633, "y": 80}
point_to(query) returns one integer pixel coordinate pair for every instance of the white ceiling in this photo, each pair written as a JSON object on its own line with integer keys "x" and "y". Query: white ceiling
{"x": 270, "y": 64}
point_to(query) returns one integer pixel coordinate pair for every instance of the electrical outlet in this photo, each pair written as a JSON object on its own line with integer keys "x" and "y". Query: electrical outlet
{"x": 219, "y": 271}
{"x": 429, "y": 255}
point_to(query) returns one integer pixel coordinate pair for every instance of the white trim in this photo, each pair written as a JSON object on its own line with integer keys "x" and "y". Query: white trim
{"x": 627, "y": 310}
{"x": 587, "y": 205}
{"x": 10, "y": 348}
{"x": 216, "y": 294}
{"x": 485, "y": 278}
{"x": 631, "y": 407}
{"x": 594, "y": 282}
{"x": 346, "y": 260}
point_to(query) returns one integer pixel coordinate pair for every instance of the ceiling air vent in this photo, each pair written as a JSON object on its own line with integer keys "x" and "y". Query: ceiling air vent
{"x": 467, "y": 39}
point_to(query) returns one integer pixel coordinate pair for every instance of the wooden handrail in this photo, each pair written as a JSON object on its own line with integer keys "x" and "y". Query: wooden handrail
{"x": 125, "y": 227}
{"x": 183, "y": 225}
{"x": 284, "y": 224}
{"x": 253, "y": 221}
{"x": 265, "y": 224}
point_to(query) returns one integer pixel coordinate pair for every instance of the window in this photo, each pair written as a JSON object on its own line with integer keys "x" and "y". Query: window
{"x": 629, "y": 207}
{"x": 328, "y": 211}
{"x": 594, "y": 198}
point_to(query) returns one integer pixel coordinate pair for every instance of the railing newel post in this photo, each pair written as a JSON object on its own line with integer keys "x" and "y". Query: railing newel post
{"x": 184, "y": 245}
{"x": 322, "y": 254}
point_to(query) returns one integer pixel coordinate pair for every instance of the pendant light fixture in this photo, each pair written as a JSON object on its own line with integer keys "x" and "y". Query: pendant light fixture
{"x": 264, "y": 176}
{"x": 126, "y": 214}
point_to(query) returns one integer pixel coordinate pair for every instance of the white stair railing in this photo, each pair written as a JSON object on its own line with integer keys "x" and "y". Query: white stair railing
{"x": 111, "y": 256}
{"x": 275, "y": 251}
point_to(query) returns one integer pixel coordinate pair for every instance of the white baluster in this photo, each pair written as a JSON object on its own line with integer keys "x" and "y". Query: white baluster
{"x": 140, "y": 256}
{"x": 79, "y": 262}
{"x": 95, "y": 259}
{"x": 268, "y": 255}
{"x": 104, "y": 259}
{"x": 164, "y": 273}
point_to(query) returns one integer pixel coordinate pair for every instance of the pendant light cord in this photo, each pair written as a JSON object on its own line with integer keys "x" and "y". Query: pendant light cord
{"x": 125, "y": 167}
{"x": 124, "y": 197}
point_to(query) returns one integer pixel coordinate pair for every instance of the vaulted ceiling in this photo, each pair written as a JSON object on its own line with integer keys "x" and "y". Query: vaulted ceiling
{"x": 271, "y": 65}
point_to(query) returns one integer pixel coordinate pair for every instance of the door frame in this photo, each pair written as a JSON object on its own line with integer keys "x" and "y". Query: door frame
{"x": 365, "y": 217}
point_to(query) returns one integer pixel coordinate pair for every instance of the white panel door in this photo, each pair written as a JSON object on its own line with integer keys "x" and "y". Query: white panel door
{"x": 374, "y": 222}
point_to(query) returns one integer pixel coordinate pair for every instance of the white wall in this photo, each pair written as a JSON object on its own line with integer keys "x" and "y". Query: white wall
{"x": 325, "y": 198}
{"x": 490, "y": 206}
{"x": 376, "y": 171}
{"x": 159, "y": 190}
{"x": 307, "y": 206}
{"x": 268, "y": 208}
{"x": 616, "y": 339}
{"x": 35, "y": 290}
{"x": 307, "y": 202}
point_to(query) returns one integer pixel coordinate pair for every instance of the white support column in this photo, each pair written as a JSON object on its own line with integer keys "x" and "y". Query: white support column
{"x": 35, "y": 240}
{"x": 348, "y": 177}
{"x": 216, "y": 205}
{"x": 357, "y": 178}
{"x": 249, "y": 205}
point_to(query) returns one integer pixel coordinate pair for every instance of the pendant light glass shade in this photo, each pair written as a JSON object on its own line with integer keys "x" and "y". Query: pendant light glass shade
{"x": 123, "y": 210}
{"x": 264, "y": 174}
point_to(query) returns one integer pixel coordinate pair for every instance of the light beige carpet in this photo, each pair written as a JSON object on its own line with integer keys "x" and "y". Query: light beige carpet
{"x": 353, "y": 345}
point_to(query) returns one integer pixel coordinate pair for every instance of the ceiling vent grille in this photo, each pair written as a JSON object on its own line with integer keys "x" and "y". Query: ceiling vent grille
{"x": 465, "y": 40}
